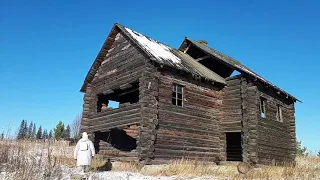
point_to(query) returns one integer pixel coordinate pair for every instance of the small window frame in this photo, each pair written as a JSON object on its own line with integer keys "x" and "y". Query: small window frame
{"x": 262, "y": 107}
{"x": 177, "y": 95}
{"x": 279, "y": 115}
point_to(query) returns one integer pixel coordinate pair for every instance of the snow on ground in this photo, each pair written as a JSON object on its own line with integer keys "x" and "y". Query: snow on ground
{"x": 110, "y": 175}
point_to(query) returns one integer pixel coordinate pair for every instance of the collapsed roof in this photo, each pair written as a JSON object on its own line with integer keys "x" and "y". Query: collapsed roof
{"x": 232, "y": 63}
{"x": 168, "y": 56}
{"x": 157, "y": 52}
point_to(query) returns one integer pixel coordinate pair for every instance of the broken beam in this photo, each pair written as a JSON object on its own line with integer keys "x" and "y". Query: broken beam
{"x": 129, "y": 91}
{"x": 203, "y": 58}
{"x": 109, "y": 91}
{"x": 125, "y": 86}
{"x": 185, "y": 51}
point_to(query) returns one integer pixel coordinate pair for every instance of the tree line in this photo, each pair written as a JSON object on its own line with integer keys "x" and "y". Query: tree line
{"x": 60, "y": 132}
{"x": 302, "y": 150}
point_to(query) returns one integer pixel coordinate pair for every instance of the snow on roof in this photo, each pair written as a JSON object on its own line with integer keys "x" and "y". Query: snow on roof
{"x": 160, "y": 51}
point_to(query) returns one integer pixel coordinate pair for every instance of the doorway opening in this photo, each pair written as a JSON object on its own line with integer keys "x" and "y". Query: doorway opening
{"x": 234, "y": 147}
{"x": 114, "y": 139}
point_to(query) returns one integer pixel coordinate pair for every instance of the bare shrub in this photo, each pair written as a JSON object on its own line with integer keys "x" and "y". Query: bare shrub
{"x": 75, "y": 126}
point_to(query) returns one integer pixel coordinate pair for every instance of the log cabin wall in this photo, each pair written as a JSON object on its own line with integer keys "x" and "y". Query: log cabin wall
{"x": 86, "y": 110}
{"x": 240, "y": 114}
{"x": 250, "y": 114}
{"x": 231, "y": 112}
{"x": 232, "y": 109}
{"x": 191, "y": 131}
{"x": 149, "y": 114}
{"x": 276, "y": 139}
{"x": 123, "y": 65}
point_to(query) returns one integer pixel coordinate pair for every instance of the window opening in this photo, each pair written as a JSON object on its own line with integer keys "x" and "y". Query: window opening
{"x": 262, "y": 107}
{"x": 177, "y": 95}
{"x": 279, "y": 114}
{"x": 118, "y": 98}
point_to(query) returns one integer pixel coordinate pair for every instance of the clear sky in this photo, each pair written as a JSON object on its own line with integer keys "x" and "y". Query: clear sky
{"x": 47, "y": 48}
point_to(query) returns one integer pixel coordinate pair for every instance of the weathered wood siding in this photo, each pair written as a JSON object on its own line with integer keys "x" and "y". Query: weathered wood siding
{"x": 250, "y": 112}
{"x": 191, "y": 131}
{"x": 231, "y": 112}
{"x": 115, "y": 118}
{"x": 124, "y": 63}
{"x": 86, "y": 109}
{"x": 149, "y": 119}
{"x": 240, "y": 114}
{"x": 232, "y": 109}
{"x": 276, "y": 140}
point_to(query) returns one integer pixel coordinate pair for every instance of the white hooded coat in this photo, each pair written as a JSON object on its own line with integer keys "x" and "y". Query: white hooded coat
{"x": 84, "y": 151}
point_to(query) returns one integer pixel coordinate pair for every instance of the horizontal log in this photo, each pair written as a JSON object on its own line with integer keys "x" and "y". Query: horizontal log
{"x": 185, "y": 114}
{"x": 204, "y": 112}
{"x": 117, "y": 69}
{"x": 114, "y": 119}
{"x": 270, "y": 131}
{"x": 231, "y": 127}
{"x": 159, "y": 151}
{"x": 271, "y": 138}
{"x": 116, "y": 112}
{"x": 191, "y": 93}
{"x": 189, "y": 129}
{"x": 188, "y": 139}
{"x": 180, "y": 121}
{"x": 168, "y": 142}
{"x": 262, "y": 152}
{"x": 130, "y": 78}
{"x": 119, "y": 124}
{"x": 231, "y": 82}
{"x": 187, "y": 148}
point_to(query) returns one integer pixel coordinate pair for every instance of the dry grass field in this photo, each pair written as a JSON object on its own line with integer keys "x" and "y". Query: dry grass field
{"x": 53, "y": 160}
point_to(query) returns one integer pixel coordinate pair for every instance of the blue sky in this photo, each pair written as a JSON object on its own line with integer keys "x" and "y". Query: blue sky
{"x": 46, "y": 49}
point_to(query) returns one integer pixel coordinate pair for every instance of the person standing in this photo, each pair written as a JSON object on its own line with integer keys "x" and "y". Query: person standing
{"x": 84, "y": 152}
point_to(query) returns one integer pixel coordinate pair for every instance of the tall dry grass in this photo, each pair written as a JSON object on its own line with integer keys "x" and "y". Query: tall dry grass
{"x": 306, "y": 168}
{"x": 26, "y": 160}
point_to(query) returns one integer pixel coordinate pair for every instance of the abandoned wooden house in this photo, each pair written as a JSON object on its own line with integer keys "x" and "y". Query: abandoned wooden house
{"x": 183, "y": 103}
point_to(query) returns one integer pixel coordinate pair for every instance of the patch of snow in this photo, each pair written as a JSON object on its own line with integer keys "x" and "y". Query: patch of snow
{"x": 69, "y": 174}
{"x": 158, "y": 50}
{"x": 127, "y": 176}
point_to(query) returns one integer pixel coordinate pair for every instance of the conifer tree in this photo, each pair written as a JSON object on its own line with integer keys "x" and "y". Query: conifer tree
{"x": 301, "y": 150}
{"x": 22, "y": 130}
{"x": 39, "y": 133}
{"x": 50, "y": 136}
{"x": 2, "y": 136}
{"x": 59, "y": 131}
{"x": 34, "y": 131}
{"x": 30, "y": 130}
{"x": 20, "y": 133}
{"x": 45, "y": 134}
{"x": 66, "y": 134}
{"x": 25, "y": 129}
